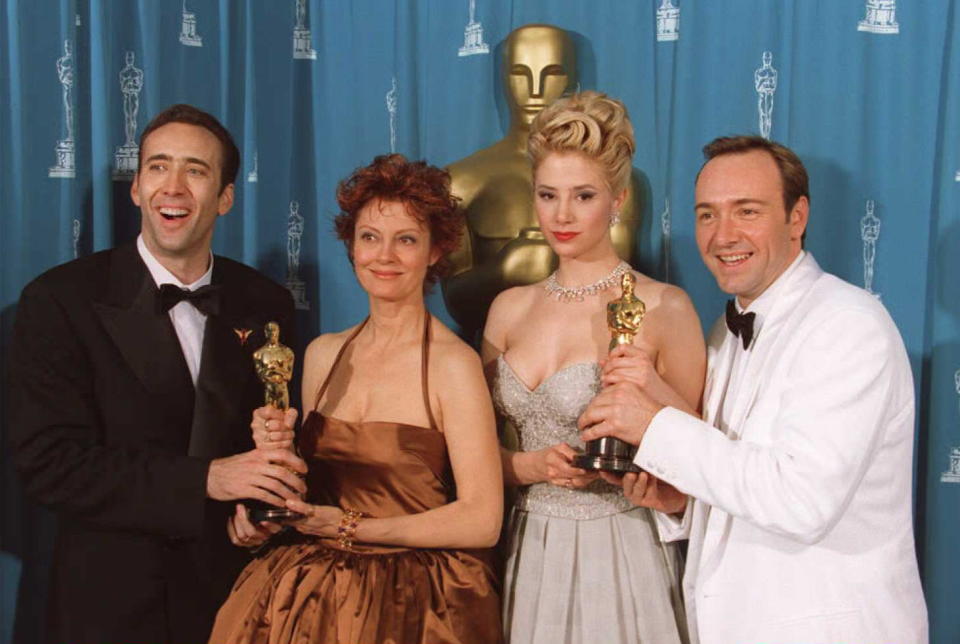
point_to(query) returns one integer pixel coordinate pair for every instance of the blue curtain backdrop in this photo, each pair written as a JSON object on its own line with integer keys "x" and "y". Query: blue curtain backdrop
{"x": 866, "y": 91}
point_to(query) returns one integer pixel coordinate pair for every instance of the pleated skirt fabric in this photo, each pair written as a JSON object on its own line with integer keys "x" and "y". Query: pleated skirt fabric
{"x": 604, "y": 580}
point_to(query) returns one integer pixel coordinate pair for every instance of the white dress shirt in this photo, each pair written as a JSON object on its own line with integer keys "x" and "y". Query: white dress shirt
{"x": 188, "y": 322}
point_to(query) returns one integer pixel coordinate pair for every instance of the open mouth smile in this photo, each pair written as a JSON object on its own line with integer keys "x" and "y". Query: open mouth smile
{"x": 734, "y": 259}
{"x": 172, "y": 214}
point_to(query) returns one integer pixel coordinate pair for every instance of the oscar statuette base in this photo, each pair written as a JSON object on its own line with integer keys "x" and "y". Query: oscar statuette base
{"x": 259, "y": 511}
{"x": 607, "y": 454}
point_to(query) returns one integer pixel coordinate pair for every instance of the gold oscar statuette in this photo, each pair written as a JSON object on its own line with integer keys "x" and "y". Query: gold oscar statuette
{"x": 625, "y": 313}
{"x": 624, "y": 317}
{"x": 274, "y": 366}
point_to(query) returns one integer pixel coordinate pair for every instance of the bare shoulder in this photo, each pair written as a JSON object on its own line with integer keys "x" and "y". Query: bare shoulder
{"x": 507, "y": 309}
{"x": 456, "y": 374}
{"x": 675, "y": 301}
{"x": 449, "y": 355}
{"x": 512, "y": 303}
{"x": 323, "y": 349}
{"x": 668, "y": 299}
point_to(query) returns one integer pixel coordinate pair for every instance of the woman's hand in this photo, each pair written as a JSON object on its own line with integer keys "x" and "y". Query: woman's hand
{"x": 273, "y": 428}
{"x": 245, "y": 534}
{"x": 318, "y": 520}
{"x": 555, "y": 466}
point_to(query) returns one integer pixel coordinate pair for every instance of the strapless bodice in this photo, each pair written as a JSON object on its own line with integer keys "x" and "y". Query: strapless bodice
{"x": 546, "y": 416}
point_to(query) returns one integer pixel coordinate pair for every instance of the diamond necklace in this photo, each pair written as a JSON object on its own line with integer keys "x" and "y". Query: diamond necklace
{"x": 577, "y": 293}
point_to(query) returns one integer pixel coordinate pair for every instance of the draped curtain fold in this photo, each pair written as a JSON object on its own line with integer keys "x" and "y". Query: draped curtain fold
{"x": 866, "y": 91}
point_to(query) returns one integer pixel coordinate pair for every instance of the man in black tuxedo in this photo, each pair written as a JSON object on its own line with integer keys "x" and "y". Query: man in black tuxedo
{"x": 133, "y": 386}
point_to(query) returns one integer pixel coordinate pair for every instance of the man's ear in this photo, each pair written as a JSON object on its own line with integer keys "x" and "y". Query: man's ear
{"x": 798, "y": 218}
{"x": 135, "y": 189}
{"x": 225, "y": 201}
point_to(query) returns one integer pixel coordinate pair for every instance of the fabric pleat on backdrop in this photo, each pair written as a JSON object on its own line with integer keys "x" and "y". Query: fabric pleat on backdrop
{"x": 866, "y": 91}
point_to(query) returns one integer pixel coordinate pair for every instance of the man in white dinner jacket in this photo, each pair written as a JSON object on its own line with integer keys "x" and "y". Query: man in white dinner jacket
{"x": 799, "y": 517}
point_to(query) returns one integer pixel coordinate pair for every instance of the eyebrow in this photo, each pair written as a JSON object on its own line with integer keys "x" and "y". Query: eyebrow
{"x": 167, "y": 157}
{"x": 398, "y": 232}
{"x": 736, "y": 202}
{"x": 585, "y": 186}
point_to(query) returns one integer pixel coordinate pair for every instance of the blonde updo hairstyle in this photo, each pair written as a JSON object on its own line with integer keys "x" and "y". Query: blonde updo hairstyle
{"x": 589, "y": 123}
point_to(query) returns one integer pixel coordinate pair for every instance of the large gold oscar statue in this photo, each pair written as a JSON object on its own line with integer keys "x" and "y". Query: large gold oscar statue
{"x": 503, "y": 245}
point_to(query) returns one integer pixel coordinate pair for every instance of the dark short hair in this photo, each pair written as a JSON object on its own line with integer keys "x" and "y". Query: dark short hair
{"x": 183, "y": 113}
{"x": 424, "y": 190}
{"x": 793, "y": 176}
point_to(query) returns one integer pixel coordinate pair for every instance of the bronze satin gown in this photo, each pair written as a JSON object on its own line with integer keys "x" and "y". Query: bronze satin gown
{"x": 311, "y": 591}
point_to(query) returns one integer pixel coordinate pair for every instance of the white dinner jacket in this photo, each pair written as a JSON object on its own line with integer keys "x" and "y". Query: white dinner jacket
{"x": 801, "y": 528}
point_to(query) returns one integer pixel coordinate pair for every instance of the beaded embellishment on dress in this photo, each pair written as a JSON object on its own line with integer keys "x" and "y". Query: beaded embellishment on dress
{"x": 546, "y": 416}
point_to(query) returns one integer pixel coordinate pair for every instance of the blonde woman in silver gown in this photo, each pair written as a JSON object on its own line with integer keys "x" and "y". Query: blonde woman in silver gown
{"x": 584, "y": 564}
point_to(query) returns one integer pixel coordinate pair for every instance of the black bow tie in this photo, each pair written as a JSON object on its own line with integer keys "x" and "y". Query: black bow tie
{"x": 740, "y": 324}
{"x": 206, "y": 298}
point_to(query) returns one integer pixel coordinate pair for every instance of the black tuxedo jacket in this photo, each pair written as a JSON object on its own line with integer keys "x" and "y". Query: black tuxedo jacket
{"x": 111, "y": 434}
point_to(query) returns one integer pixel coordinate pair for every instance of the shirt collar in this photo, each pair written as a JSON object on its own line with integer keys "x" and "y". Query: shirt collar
{"x": 162, "y": 276}
{"x": 762, "y": 305}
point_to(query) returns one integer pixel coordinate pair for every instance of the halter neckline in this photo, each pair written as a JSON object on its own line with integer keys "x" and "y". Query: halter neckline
{"x": 424, "y": 365}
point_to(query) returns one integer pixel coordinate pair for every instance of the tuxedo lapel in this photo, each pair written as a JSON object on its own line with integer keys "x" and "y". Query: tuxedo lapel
{"x": 722, "y": 348}
{"x": 224, "y": 384}
{"x": 144, "y": 336}
{"x": 217, "y": 405}
{"x": 698, "y": 528}
{"x": 785, "y": 310}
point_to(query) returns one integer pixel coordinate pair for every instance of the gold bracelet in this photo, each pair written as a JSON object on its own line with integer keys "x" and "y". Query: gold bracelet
{"x": 348, "y": 528}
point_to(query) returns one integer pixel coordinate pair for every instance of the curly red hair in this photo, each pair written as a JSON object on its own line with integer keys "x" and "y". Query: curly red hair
{"x": 424, "y": 190}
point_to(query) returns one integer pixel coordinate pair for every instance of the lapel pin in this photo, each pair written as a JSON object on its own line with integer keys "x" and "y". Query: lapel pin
{"x": 243, "y": 334}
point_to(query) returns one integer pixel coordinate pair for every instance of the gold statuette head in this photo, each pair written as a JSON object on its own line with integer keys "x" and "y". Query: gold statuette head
{"x": 274, "y": 364}
{"x": 625, "y": 313}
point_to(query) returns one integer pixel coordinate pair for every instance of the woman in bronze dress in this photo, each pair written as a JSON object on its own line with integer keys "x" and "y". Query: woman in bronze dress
{"x": 405, "y": 490}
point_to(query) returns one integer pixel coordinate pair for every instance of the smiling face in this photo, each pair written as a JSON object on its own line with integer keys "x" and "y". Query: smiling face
{"x": 574, "y": 204}
{"x": 178, "y": 191}
{"x": 744, "y": 234}
{"x": 391, "y": 251}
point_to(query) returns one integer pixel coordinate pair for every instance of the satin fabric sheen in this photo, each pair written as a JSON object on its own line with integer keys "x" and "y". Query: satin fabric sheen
{"x": 313, "y": 592}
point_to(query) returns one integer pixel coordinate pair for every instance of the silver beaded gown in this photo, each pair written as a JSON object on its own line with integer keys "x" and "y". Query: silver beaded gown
{"x": 582, "y": 565}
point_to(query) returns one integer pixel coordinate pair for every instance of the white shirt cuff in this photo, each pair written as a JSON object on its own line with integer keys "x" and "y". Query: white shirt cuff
{"x": 655, "y": 439}
{"x": 673, "y": 528}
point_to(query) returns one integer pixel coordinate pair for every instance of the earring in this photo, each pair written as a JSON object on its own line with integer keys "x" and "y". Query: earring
{"x": 614, "y": 219}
